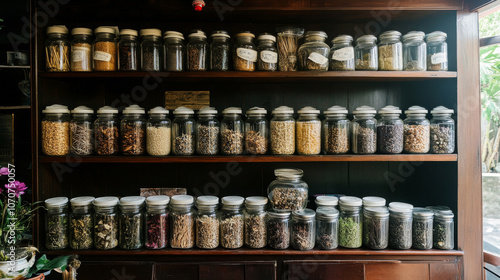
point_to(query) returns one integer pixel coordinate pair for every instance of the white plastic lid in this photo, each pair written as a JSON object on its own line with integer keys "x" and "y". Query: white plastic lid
{"x": 389, "y": 109}
{"x": 56, "y": 109}
{"x": 232, "y": 110}
{"x": 134, "y": 109}
{"x": 304, "y": 214}
{"x": 335, "y": 110}
{"x": 367, "y": 38}
{"x": 207, "y": 111}
{"x": 441, "y": 110}
{"x": 400, "y": 207}
{"x": 232, "y": 200}
{"x": 365, "y": 110}
{"x": 150, "y": 31}
{"x": 132, "y": 200}
{"x": 82, "y": 110}
{"x": 373, "y": 201}
{"x": 416, "y": 110}
{"x": 182, "y": 199}
{"x": 106, "y": 201}
{"x": 107, "y": 110}
{"x": 436, "y": 36}
{"x": 198, "y": 33}
{"x": 327, "y": 213}
{"x": 183, "y": 111}
{"x": 130, "y": 32}
{"x": 207, "y": 200}
{"x": 57, "y": 29}
{"x": 288, "y": 172}
{"x": 256, "y": 111}
{"x": 106, "y": 29}
{"x": 389, "y": 34}
{"x": 308, "y": 110}
{"x": 173, "y": 34}
{"x": 160, "y": 200}
{"x": 414, "y": 35}
{"x": 255, "y": 200}
{"x": 325, "y": 200}
{"x": 266, "y": 37}
{"x": 283, "y": 110}
{"x": 158, "y": 110}
{"x": 380, "y": 211}
{"x": 82, "y": 200}
{"x": 81, "y": 31}
{"x": 422, "y": 212}
{"x": 56, "y": 201}
{"x": 278, "y": 214}
{"x": 350, "y": 201}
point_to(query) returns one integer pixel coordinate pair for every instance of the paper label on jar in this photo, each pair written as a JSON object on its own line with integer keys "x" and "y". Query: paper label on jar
{"x": 343, "y": 54}
{"x": 269, "y": 56}
{"x": 78, "y": 53}
{"x": 102, "y": 56}
{"x": 317, "y": 58}
{"x": 439, "y": 58}
{"x": 247, "y": 54}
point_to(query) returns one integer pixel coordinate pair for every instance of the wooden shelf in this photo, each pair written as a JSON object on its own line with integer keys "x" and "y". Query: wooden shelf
{"x": 14, "y": 67}
{"x": 11, "y": 108}
{"x": 251, "y": 159}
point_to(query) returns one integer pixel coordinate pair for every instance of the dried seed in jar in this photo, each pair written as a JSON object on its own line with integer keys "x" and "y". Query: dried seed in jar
{"x": 288, "y": 199}
{"x": 390, "y": 138}
{"x": 133, "y": 140}
{"x": 208, "y": 140}
{"x": 442, "y": 139}
{"x": 255, "y": 231}
{"x": 231, "y": 142}
{"x": 283, "y": 137}
{"x": 231, "y": 232}
{"x": 255, "y": 143}
{"x": 183, "y": 145}
{"x": 207, "y": 232}
{"x": 55, "y": 138}
{"x": 183, "y": 231}
{"x": 366, "y": 141}
{"x": 416, "y": 138}
{"x": 309, "y": 138}
{"x": 106, "y": 140}
{"x": 337, "y": 141}
{"x": 158, "y": 140}
{"x": 105, "y": 56}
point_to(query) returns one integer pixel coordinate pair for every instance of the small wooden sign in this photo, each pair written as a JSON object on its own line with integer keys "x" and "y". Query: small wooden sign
{"x": 191, "y": 99}
{"x": 162, "y": 191}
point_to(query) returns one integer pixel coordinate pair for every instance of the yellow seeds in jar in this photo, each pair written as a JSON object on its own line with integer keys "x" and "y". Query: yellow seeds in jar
{"x": 158, "y": 140}
{"x": 308, "y": 138}
{"x": 55, "y": 138}
{"x": 283, "y": 137}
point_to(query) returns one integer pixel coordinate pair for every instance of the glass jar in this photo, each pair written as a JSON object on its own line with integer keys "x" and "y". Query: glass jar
{"x": 288, "y": 192}
{"x": 128, "y": 50}
{"x": 104, "y": 49}
{"x": 422, "y": 228}
{"x": 197, "y": 51}
{"x": 288, "y": 44}
{"x": 131, "y": 222}
{"x": 324, "y": 201}
{"x": 364, "y": 131}
{"x": 282, "y": 132}
{"x": 81, "y": 223}
{"x": 207, "y": 222}
{"x": 256, "y": 131}
{"x": 278, "y": 230}
{"x": 244, "y": 52}
{"x": 442, "y": 131}
{"x": 174, "y": 51}
{"x": 314, "y": 53}
{"x": 156, "y": 222}
{"x": 336, "y": 134}
{"x": 373, "y": 201}
{"x": 56, "y": 223}
{"x": 158, "y": 132}
{"x": 437, "y": 51}
{"x": 255, "y": 222}
{"x": 308, "y": 131}
{"x": 327, "y": 228}
{"x": 207, "y": 132}
{"x": 303, "y": 229}
{"x": 376, "y": 227}
{"x": 414, "y": 51}
{"x": 231, "y": 132}
{"x": 342, "y": 54}
{"x": 133, "y": 131}
{"x": 400, "y": 225}
{"x": 219, "y": 51}
{"x": 444, "y": 228}
{"x": 231, "y": 222}
{"x": 366, "y": 53}
{"x": 183, "y": 133}
{"x": 55, "y": 130}
{"x": 105, "y": 223}
{"x": 350, "y": 222}
{"x": 390, "y": 131}
{"x": 390, "y": 51}
{"x": 82, "y": 131}
{"x": 57, "y": 49}
{"x": 182, "y": 226}
{"x": 416, "y": 131}
{"x": 267, "y": 58}
{"x": 151, "y": 49}
{"x": 106, "y": 131}
{"x": 81, "y": 50}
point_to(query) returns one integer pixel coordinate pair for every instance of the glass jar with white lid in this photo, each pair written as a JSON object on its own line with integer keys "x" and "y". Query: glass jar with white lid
{"x": 416, "y": 131}
{"x": 219, "y": 51}
{"x": 106, "y": 131}
{"x": 131, "y": 222}
{"x": 303, "y": 229}
{"x": 256, "y": 131}
{"x": 390, "y": 131}
{"x": 282, "y": 131}
{"x": 57, "y": 49}
{"x": 442, "y": 131}
{"x": 151, "y": 49}
{"x": 366, "y": 53}
{"x": 81, "y": 49}
{"x": 255, "y": 222}
{"x": 133, "y": 131}
{"x": 288, "y": 192}
{"x": 207, "y": 222}
{"x": 197, "y": 51}
{"x": 437, "y": 51}
{"x": 336, "y": 131}
{"x": 56, "y": 223}
{"x": 182, "y": 222}
{"x": 444, "y": 230}
{"x": 106, "y": 229}
{"x": 350, "y": 222}
{"x": 326, "y": 201}
{"x": 314, "y": 53}
{"x": 174, "y": 51}
{"x": 156, "y": 222}
{"x": 267, "y": 58}
{"x": 414, "y": 51}
{"x": 81, "y": 223}
{"x": 56, "y": 130}
{"x": 104, "y": 49}
{"x": 82, "y": 131}
{"x": 158, "y": 132}
{"x": 183, "y": 132}
{"x": 232, "y": 132}
{"x": 128, "y": 50}
{"x": 308, "y": 131}
{"x": 207, "y": 132}
{"x": 400, "y": 225}
{"x": 232, "y": 225}
{"x": 342, "y": 54}
{"x": 364, "y": 130}
{"x": 376, "y": 227}
{"x": 244, "y": 52}
{"x": 327, "y": 228}
{"x": 373, "y": 201}
{"x": 390, "y": 51}
{"x": 422, "y": 228}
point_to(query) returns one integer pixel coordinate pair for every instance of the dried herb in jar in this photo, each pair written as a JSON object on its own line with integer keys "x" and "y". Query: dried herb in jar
{"x": 255, "y": 143}
{"x": 255, "y": 231}
{"x": 105, "y": 231}
{"x": 81, "y": 229}
{"x": 231, "y": 232}
{"x": 231, "y": 142}
{"x": 130, "y": 231}
{"x": 422, "y": 234}
{"x": 442, "y": 139}
{"x": 375, "y": 233}
{"x": 283, "y": 137}
{"x": 350, "y": 233}
{"x": 55, "y": 138}
{"x": 183, "y": 145}
{"x": 183, "y": 231}
{"x": 400, "y": 233}
{"x": 327, "y": 237}
{"x": 278, "y": 234}
{"x": 106, "y": 140}
{"x": 288, "y": 199}
{"x": 82, "y": 139}
{"x": 207, "y": 232}
{"x": 302, "y": 236}
{"x": 416, "y": 138}
{"x": 208, "y": 140}
{"x": 133, "y": 139}
{"x": 57, "y": 232}
{"x": 157, "y": 231}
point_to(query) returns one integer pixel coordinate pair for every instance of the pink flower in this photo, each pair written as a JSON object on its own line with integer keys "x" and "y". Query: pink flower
{"x": 17, "y": 187}
{"x": 4, "y": 171}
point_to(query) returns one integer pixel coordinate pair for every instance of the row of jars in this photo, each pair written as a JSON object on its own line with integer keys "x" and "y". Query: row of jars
{"x": 414, "y": 51}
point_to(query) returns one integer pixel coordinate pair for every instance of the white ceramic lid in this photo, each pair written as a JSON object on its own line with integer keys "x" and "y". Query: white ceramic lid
{"x": 283, "y": 110}
{"x": 82, "y": 200}
{"x": 106, "y": 201}
{"x": 441, "y": 110}
{"x": 198, "y": 33}
{"x": 56, "y": 109}
{"x": 414, "y": 35}
{"x": 106, "y": 29}
{"x": 415, "y": 109}
{"x": 183, "y": 111}
{"x": 365, "y": 110}
{"x": 342, "y": 38}
{"x": 255, "y": 200}
{"x": 131, "y": 32}
{"x": 267, "y": 37}
{"x": 256, "y": 111}
{"x": 207, "y": 111}
{"x": 132, "y": 200}
{"x": 232, "y": 200}
{"x": 288, "y": 171}
{"x": 350, "y": 201}
{"x": 207, "y": 200}
{"x": 325, "y": 200}
{"x": 182, "y": 199}
{"x": 158, "y": 110}
{"x": 389, "y": 34}
{"x": 134, "y": 109}
{"x": 107, "y": 110}
{"x": 373, "y": 201}
{"x": 304, "y": 214}
{"x": 366, "y": 38}
{"x": 173, "y": 34}
{"x": 389, "y": 109}
{"x": 444, "y": 215}
{"x": 160, "y": 200}
{"x": 232, "y": 110}
{"x": 327, "y": 213}
{"x": 308, "y": 110}
{"x": 81, "y": 31}
{"x": 150, "y": 31}
{"x": 58, "y": 29}
{"x": 436, "y": 36}
{"x": 400, "y": 207}
{"x": 335, "y": 110}
{"x": 56, "y": 201}
{"x": 82, "y": 110}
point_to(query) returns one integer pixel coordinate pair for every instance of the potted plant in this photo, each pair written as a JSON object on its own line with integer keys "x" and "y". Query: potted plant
{"x": 44, "y": 266}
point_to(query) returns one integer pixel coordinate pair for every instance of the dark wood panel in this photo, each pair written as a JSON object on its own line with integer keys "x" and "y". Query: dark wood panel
{"x": 323, "y": 270}
{"x": 115, "y": 270}
{"x": 175, "y": 271}
{"x": 391, "y": 5}
{"x": 444, "y": 271}
{"x": 402, "y": 271}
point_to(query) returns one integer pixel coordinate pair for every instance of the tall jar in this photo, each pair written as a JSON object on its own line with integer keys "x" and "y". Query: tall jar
{"x": 314, "y": 53}
{"x": 390, "y": 51}
{"x": 364, "y": 131}
{"x": 342, "y": 54}
{"x": 151, "y": 49}
{"x": 182, "y": 226}
{"x": 327, "y": 228}
{"x": 231, "y": 222}
{"x": 183, "y": 133}
{"x": 82, "y": 131}
{"x": 207, "y": 132}
{"x": 55, "y": 130}
{"x": 414, "y": 51}
{"x": 373, "y": 201}
{"x": 366, "y": 53}
{"x": 128, "y": 50}
{"x": 106, "y": 131}
{"x": 350, "y": 222}
{"x": 81, "y": 223}
{"x": 131, "y": 222}
{"x": 288, "y": 45}
{"x": 207, "y": 222}
{"x": 158, "y": 132}
{"x": 278, "y": 230}
{"x": 231, "y": 132}
{"x": 444, "y": 228}
{"x": 376, "y": 227}
{"x": 326, "y": 201}
{"x": 133, "y": 131}
{"x": 308, "y": 131}
{"x": 288, "y": 192}
{"x": 282, "y": 132}
{"x": 174, "y": 51}
{"x": 422, "y": 228}
{"x": 244, "y": 52}
{"x": 81, "y": 50}
{"x": 156, "y": 222}
{"x": 400, "y": 225}
{"x": 219, "y": 51}
{"x": 106, "y": 223}
{"x": 255, "y": 222}
{"x": 303, "y": 229}
{"x": 197, "y": 51}
{"x": 442, "y": 131}
{"x": 336, "y": 134}
{"x": 390, "y": 131}
{"x": 416, "y": 131}
{"x": 104, "y": 49}
{"x": 256, "y": 131}
{"x": 437, "y": 51}
{"x": 56, "y": 223}
{"x": 57, "y": 49}
{"x": 267, "y": 58}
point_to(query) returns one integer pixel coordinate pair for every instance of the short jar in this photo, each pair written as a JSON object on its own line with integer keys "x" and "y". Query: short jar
{"x": 282, "y": 131}
{"x": 444, "y": 228}
{"x": 326, "y": 201}
{"x": 131, "y": 222}
{"x": 278, "y": 230}
{"x": 56, "y": 223}
{"x": 174, "y": 52}
{"x": 81, "y": 223}
{"x": 416, "y": 131}
{"x": 442, "y": 131}
{"x": 81, "y": 49}
{"x": 128, "y": 50}
{"x": 256, "y": 131}
{"x": 350, "y": 222}
{"x": 231, "y": 132}
{"x": 366, "y": 53}
{"x": 104, "y": 49}
{"x": 182, "y": 222}
{"x": 207, "y": 222}
{"x": 151, "y": 49}
{"x": 106, "y": 229}
{"x": 390, "y": 132}
{"x": 422, "y": 228}
{"x": 288, "y": 192}
{"x": 342, "y": 54}
{"x": 183, "y": 132}
{"x": 376, "y": 227}
{"x": 373, "y": 201}
{"x": 303, "y": 229}
{"x": 327, "y": 228}
{"x": 133, "y": 131}
{"x": 364, "y": 131}
{"x": 336, "y": 131}
{"x": 267, "y": 57}
{"x": 400, "y": 225}
{"x": 57, "y": 49}
{"x": 244, "y": 52}
{"x": 437, "y": 51}
{"x": 314, "y": 52}
{"x": 255, "y": 222}
{"x": 231, "y": 222}
{"x": 56, "y": 130}
{"x": 156, "y": 225}
{"x": 414, "y": 51}
{"x": 158, "y": 132}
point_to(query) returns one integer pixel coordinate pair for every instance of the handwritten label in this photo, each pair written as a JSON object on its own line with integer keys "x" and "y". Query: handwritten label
{"x": 102, "y": 56}
{"x": 317, "y": 58}
{"x": 78, "y": 53}
{"x": 269, "y": 56}
{"x": 439, "y": 58}
{"x": 247, "y": 54}
{"x": 343, "y": 54}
